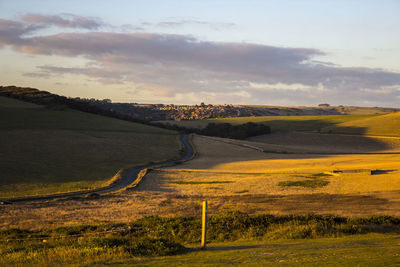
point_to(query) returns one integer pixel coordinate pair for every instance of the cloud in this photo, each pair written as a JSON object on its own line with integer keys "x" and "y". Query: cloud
{"x": 281, "y": 86}
{"x": 12, "y": 31}
{"x": 64, "y": 21}
{"x": 185, "y": 22}
{"x": 172, "y": 66}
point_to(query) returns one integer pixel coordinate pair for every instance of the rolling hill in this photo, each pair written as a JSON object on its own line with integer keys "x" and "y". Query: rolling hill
{"x": 47, "y": 151}
{"x": 281, "y": 123}
{"x": 382, "y": 125}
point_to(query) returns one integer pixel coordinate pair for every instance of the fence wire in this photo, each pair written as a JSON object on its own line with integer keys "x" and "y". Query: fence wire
{"x": 65, "y": 237}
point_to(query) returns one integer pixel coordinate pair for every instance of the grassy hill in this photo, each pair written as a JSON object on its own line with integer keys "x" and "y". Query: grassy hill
{"x": 284, "y": 123}
{"x": 383, "y": 125}
{"x": 47, "y": 151}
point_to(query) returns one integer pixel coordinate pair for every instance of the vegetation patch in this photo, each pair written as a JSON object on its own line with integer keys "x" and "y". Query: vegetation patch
{"x": 161, "y": 236}
{"x": 242, "y": 192}
{"x": 318, "y": 175}
{"x": 202, "y": 182}
{"x": 321, "y": 174}
{"x": 308, "y": 183}
{"x": 304, "y": 183}
{"x": 224, "y": 130}
{"x": 156, "y": 247}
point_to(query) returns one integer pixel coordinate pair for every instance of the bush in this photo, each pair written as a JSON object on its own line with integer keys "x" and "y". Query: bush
{"x": 108, "y": 242}
{"x": 179, "y": 229}
{"x": 156, "y": 247}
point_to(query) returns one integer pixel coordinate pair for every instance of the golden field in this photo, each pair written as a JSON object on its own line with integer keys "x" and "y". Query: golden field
{"x": 280, "y": 173}
{"x": 383, "y": 125}
{"x": 224, "y": 169}
{"x": 232, "y": 176}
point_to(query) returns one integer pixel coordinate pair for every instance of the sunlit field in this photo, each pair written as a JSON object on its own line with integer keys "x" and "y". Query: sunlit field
{"x": 49, "y": 151}
{"x": 199, "y": 133}
{"x": 282, "y": 123}
{"x": 230, "y": 169}
{"x": 344, "y": 174}
{"x": 385, "y": 125}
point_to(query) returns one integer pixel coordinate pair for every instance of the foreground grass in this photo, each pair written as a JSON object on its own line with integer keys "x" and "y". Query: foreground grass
{"x": 234, "y": 238}
{"x": 48, "y": 151}
{"x": 359, "y": 250}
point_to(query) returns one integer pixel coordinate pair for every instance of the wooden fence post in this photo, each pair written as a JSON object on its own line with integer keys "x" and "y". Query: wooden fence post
{"x": 204, "y": 226}
{"x": 130, "y": 239}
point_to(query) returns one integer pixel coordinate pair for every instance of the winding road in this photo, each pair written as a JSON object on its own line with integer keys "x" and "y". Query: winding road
{"x": 127, "y": 179}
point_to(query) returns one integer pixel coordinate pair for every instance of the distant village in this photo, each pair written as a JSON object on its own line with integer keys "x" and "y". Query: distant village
{"x": 161, "y": 112}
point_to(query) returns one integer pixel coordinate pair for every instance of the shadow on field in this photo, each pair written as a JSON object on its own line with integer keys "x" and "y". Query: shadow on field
{"x": 299, "y": 125}
{"x": 155, "y": 183}
{"x": 289, "y": 145}
{"x": 312, "y": 142}
{"x": 323, "y": 134}
{"x": 377, "y": 172}
{"x": 318, "y": 203}
{"x": 233, "y": 247}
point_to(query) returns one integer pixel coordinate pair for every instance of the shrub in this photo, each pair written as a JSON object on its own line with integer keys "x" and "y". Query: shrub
{"x": 156, "y": 247}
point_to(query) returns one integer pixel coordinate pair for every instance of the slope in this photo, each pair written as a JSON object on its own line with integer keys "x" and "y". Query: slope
{"x": 281, "y": 123}
{"x": 382, "y": 125}
{"x": 47, "y": 151}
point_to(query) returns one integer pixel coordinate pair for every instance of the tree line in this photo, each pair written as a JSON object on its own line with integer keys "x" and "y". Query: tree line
{"x": 224, "y": 130}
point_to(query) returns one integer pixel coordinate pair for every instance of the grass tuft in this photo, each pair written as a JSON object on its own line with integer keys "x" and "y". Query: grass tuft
{"x": 198, "y": 182}
{"x": 242, "y": 191}
{"x": 321, "y": 174}
{"x": 304, "y": 183}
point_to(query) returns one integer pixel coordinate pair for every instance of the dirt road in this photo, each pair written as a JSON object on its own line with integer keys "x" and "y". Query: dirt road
{"x": 128, "y": 178}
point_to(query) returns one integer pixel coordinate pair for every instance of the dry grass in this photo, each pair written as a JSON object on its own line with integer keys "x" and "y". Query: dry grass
{"x": 264, "y": 176}
{"x": 326, "y": 143}
{"x": 282, "y": 123}
{"x": 129, "y": 206}
{"x": 253, "y": 188}
{"x": 384, "y": 125}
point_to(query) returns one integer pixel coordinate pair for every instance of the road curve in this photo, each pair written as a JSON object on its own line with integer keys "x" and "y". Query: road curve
{"x": 129, "y": 177}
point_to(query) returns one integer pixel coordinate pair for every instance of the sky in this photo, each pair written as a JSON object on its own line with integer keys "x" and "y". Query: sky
{"x": 291, "y": 53}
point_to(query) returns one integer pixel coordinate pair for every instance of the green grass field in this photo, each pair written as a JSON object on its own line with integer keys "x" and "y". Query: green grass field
{"x": 361, "y": 250}
{"x": 285, "y": 123}
{"x": 233, "y": 239}
{"x": 48, "y": 151}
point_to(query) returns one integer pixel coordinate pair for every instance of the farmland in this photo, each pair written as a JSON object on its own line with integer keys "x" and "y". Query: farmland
{"x": 385, "y": 125}
{"x": 228, "y": 169}
{"x": 50, "y": 151}
{"x": 283, "y": 176}
{"x": 282, "y": 123}
{"x": 232, "y": 176}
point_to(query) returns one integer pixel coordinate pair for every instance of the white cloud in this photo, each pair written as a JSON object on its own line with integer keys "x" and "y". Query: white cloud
{"x": 280, "y": 86}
